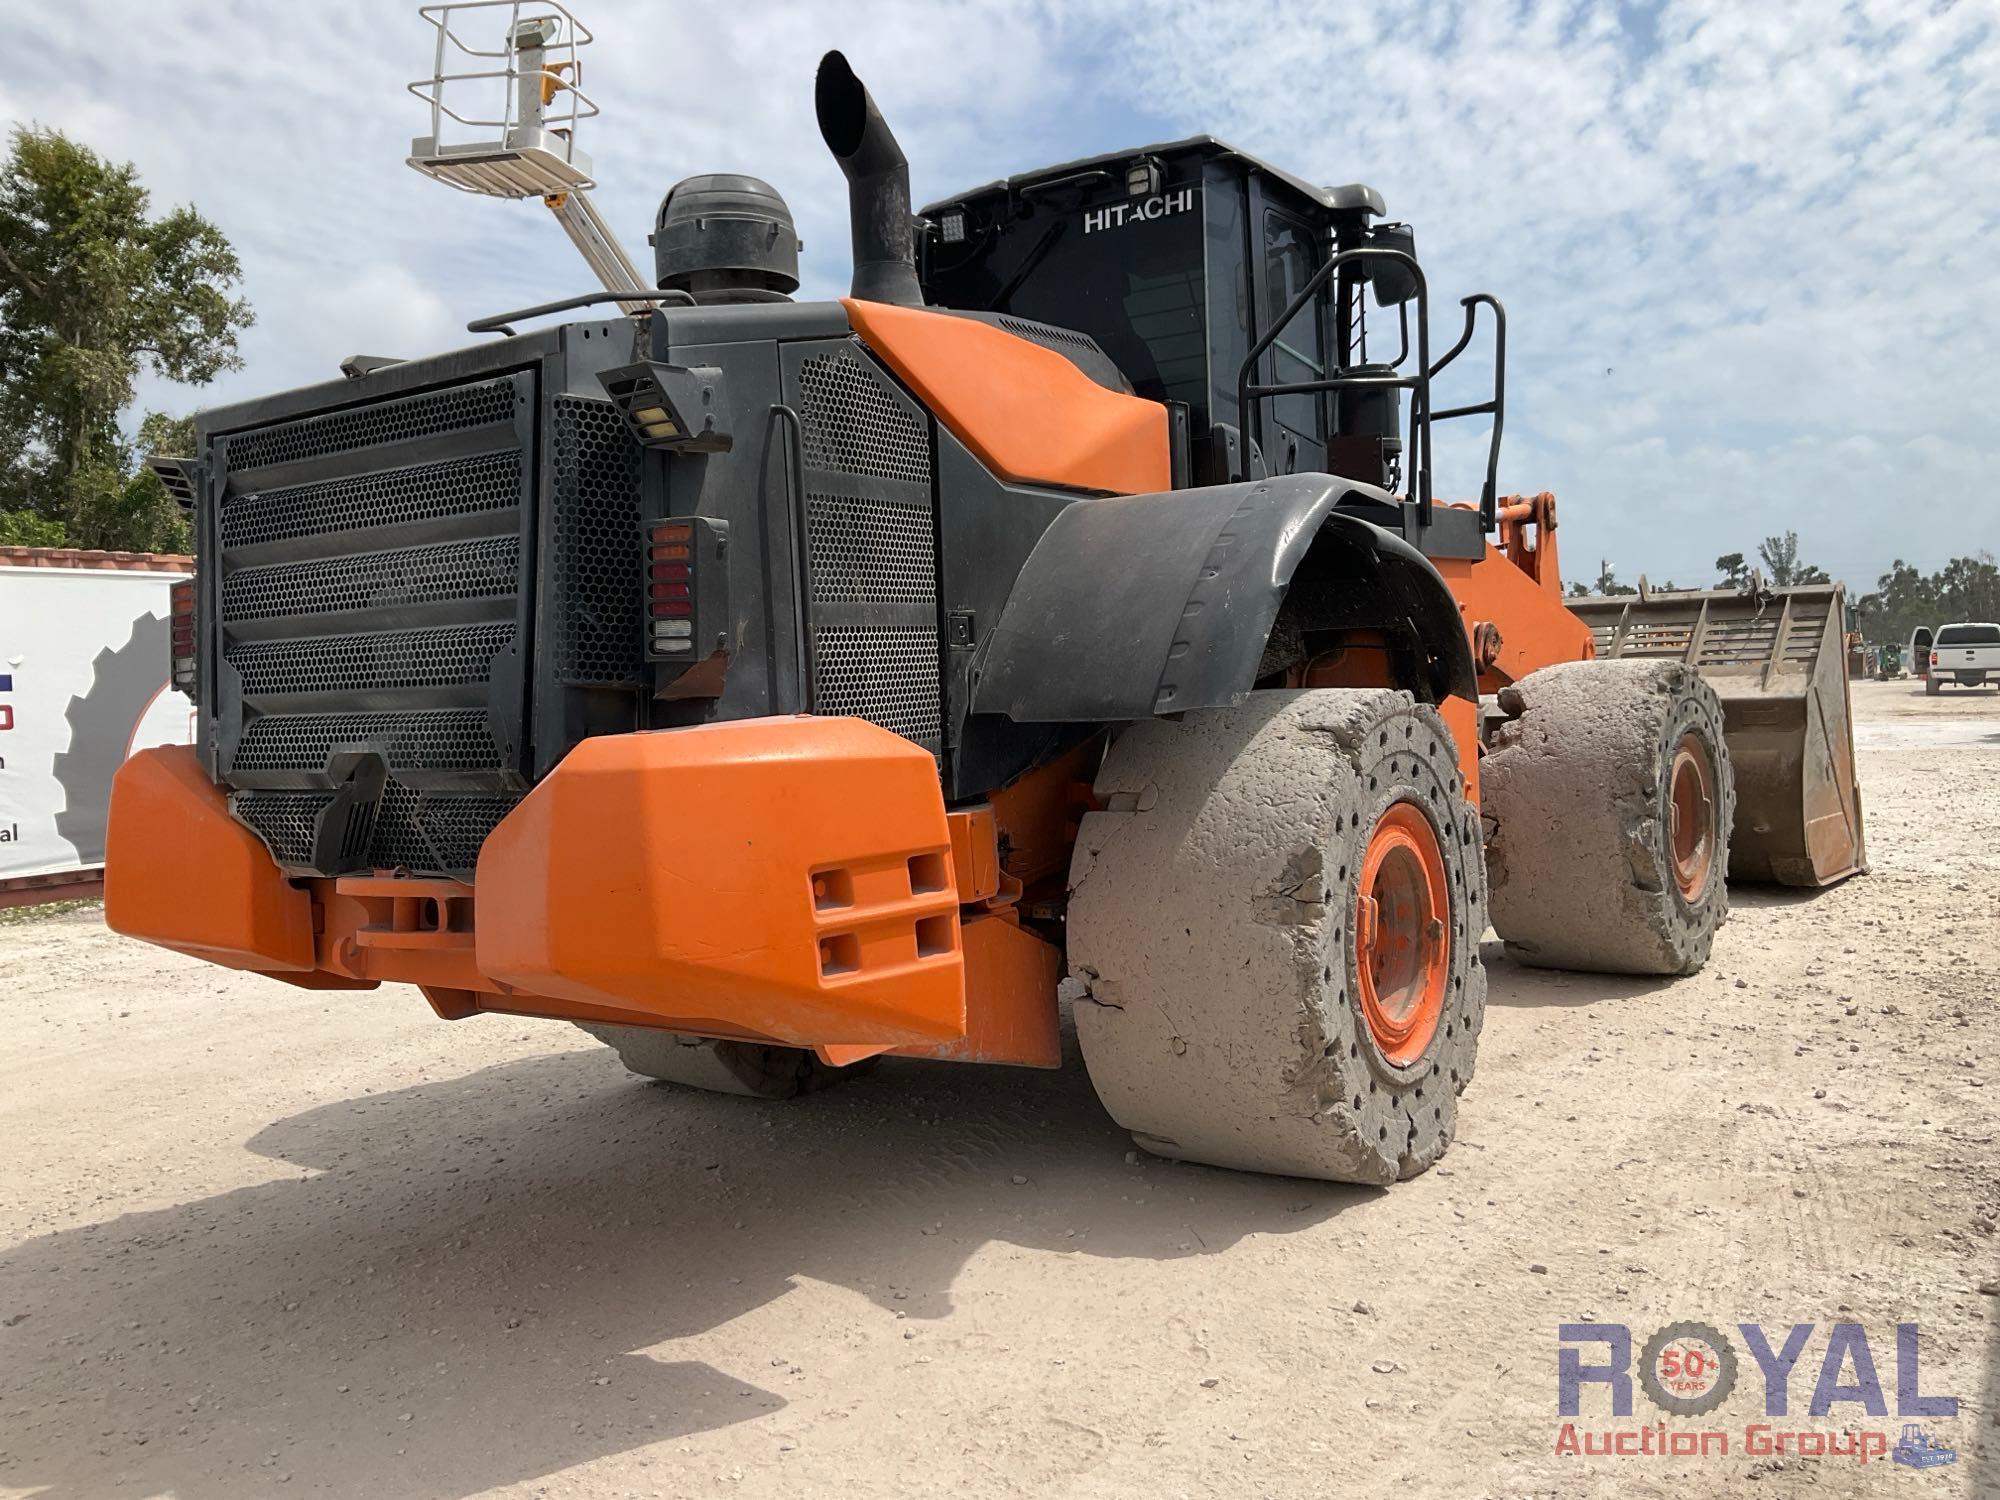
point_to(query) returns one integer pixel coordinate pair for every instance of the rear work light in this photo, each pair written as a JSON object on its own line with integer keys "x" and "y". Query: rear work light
{"x": 687, "y": 589}
{"x": 180, "y": 634}
{"x": 670, "y": 407}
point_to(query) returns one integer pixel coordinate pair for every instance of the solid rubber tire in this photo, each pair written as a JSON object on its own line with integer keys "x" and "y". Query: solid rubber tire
{"x": 1211, "y": 952}
{"x": 1574, "y": 790}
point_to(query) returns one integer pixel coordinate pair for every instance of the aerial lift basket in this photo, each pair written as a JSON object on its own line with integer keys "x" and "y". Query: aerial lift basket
{"x": 1777, "y": 659}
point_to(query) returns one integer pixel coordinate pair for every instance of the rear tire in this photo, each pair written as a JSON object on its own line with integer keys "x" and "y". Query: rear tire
{"x": 1608, "y": 800}
{"x": 1227, "y": 1008}
{"x": 719, "y": 1067}
{"x": 1931, "y": 687}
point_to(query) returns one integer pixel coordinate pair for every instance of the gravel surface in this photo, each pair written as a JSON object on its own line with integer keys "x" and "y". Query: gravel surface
{"x": 260, "y": 1241}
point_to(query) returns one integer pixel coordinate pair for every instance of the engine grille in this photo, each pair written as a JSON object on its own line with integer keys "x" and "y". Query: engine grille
{"x": 886, "y": 674}
{"x": 453, "y": 657}
{"x": 283, "y": 820}
{"x": 854, "y": 424}
{"x": 413, "y": 576}
{"x": 599, "y": 628}
{"x": 371, "y": 583}
{"x": 420, "y": 493}
{"x": 452, "y": 739}
{"x": 871, "y": 547}
{"x": 871, "y": 550}
{"x": 413, "y": 417}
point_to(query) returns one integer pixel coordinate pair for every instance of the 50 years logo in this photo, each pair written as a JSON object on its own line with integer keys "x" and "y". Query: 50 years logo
{"x": 1689, "y": 1369}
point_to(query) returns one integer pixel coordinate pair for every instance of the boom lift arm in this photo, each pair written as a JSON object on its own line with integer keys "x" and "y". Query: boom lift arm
{"x": 534, "y": 154}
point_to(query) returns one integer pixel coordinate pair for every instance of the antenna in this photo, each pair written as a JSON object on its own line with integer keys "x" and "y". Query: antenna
{"x": 520, "y": 136}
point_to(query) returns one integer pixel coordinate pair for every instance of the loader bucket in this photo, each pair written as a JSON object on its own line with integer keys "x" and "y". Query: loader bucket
{"x": 1777, "y": 660}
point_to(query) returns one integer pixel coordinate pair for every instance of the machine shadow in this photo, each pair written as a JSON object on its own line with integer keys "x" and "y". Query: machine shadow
{"x": 1778, "y": 897}
{"x": 1517, "y": 985}
{"x": 500, "y": 1254}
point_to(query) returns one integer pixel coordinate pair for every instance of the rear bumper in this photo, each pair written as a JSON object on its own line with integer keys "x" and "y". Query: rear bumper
{"x": 788, "y": 880}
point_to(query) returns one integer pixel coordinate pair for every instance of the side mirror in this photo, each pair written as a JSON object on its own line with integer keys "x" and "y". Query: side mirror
{"x": 1392, "y": 283}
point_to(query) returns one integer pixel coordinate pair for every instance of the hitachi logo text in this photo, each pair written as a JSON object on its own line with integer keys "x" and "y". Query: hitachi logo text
{"x": 1117, "y": 215}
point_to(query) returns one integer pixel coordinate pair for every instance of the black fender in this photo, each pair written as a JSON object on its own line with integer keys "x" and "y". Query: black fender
{"x": 1137, "y": 605}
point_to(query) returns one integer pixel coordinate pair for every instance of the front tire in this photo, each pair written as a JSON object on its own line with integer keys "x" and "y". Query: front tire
{"x": 1273, "y": 935}
{"x": 1609, "y": 799}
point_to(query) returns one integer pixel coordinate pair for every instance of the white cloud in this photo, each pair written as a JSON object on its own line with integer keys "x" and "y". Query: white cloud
{"x": 1745, "y": 249}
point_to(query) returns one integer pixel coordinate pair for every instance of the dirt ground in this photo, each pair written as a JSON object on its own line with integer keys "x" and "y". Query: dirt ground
{"x": 258, "y": 1241}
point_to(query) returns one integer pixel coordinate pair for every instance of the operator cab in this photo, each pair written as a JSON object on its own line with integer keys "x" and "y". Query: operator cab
{"x": 1179, "y": 260}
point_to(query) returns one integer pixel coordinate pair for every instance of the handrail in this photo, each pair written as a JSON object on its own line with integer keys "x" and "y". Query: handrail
{"x": 1249, "y": 397}
{"x": 1489, "y": 496}
{"x": 1067, "y": 180}
{"x": 498, "y": 322}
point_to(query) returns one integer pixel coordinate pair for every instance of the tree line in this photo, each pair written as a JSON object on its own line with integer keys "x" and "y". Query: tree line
{"x": 1779, "y": 556}
{"x": 94, "y": 290}
{"x": 1966, "y": 588}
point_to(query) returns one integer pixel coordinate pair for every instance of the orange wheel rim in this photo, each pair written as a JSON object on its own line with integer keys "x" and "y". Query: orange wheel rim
{"x": 1403, "y": 933}
{"x": 1691, "y": 815}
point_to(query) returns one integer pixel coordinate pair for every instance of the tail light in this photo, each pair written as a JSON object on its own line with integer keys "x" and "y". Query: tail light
{"x": 1934, "y": 658}
{"x": 687, "y": 589}
{"x": 181, "y": 635}
{"x": 670, "y": 588}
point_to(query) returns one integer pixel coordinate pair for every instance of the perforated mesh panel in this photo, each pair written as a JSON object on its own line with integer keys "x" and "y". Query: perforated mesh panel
{"x": 330, "y": 615}
{"x": 455, "y": 827}
{"x": 871, "y": 550}
{"x": 413, "y": 830}
{"x": 491, "y": 481}
{"x": 598, "y": 559}
{"x": 390, "y": 659}
{"x": 433, "y": 740}
{"x": 489, "y": 568}
{"x": 871, "y": 547}
{"x": 886, "y": 674}
{"x": 853, "y": 426}
{"x": 399, "y": 843}
{"x": 283, "y": 820}
{"x": 371, "y": 426}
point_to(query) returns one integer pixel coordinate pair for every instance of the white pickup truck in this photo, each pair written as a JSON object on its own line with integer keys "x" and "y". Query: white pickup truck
{"x": 1967, "y": 653}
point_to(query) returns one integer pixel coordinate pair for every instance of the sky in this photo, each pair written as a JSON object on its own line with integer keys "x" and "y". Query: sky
{"x": 1747, "y": 250}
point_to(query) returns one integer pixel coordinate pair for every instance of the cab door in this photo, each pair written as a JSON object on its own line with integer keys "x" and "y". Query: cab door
{"x": 1289, "y": 252}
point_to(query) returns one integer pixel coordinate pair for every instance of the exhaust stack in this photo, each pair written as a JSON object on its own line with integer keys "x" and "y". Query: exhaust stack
{"x": 878, "y": 185}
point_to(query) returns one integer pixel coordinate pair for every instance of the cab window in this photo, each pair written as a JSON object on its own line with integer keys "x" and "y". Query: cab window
{"x": 1290, "y": 258}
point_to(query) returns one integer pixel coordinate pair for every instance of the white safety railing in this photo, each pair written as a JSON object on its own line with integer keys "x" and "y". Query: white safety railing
{"x": 528, "y": 148}
{"x": 527, "y": 106}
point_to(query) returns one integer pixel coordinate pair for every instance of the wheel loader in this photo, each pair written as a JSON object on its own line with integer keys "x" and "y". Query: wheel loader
{"x": 1062, "y": 621}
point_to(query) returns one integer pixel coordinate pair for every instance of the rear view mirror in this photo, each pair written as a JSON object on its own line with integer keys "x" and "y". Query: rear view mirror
{"x": 1392, "y": 281}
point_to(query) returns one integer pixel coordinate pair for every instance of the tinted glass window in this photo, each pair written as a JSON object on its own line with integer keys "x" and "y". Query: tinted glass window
{"x": 1229, "y": 306}
{"x": 1290, "y": 258}
{"x": 1969, "y": 635}
{"x": 1134, "y": 284}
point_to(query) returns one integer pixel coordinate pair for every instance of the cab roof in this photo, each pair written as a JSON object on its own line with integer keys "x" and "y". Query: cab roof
{"x": 1350, "y": 196}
